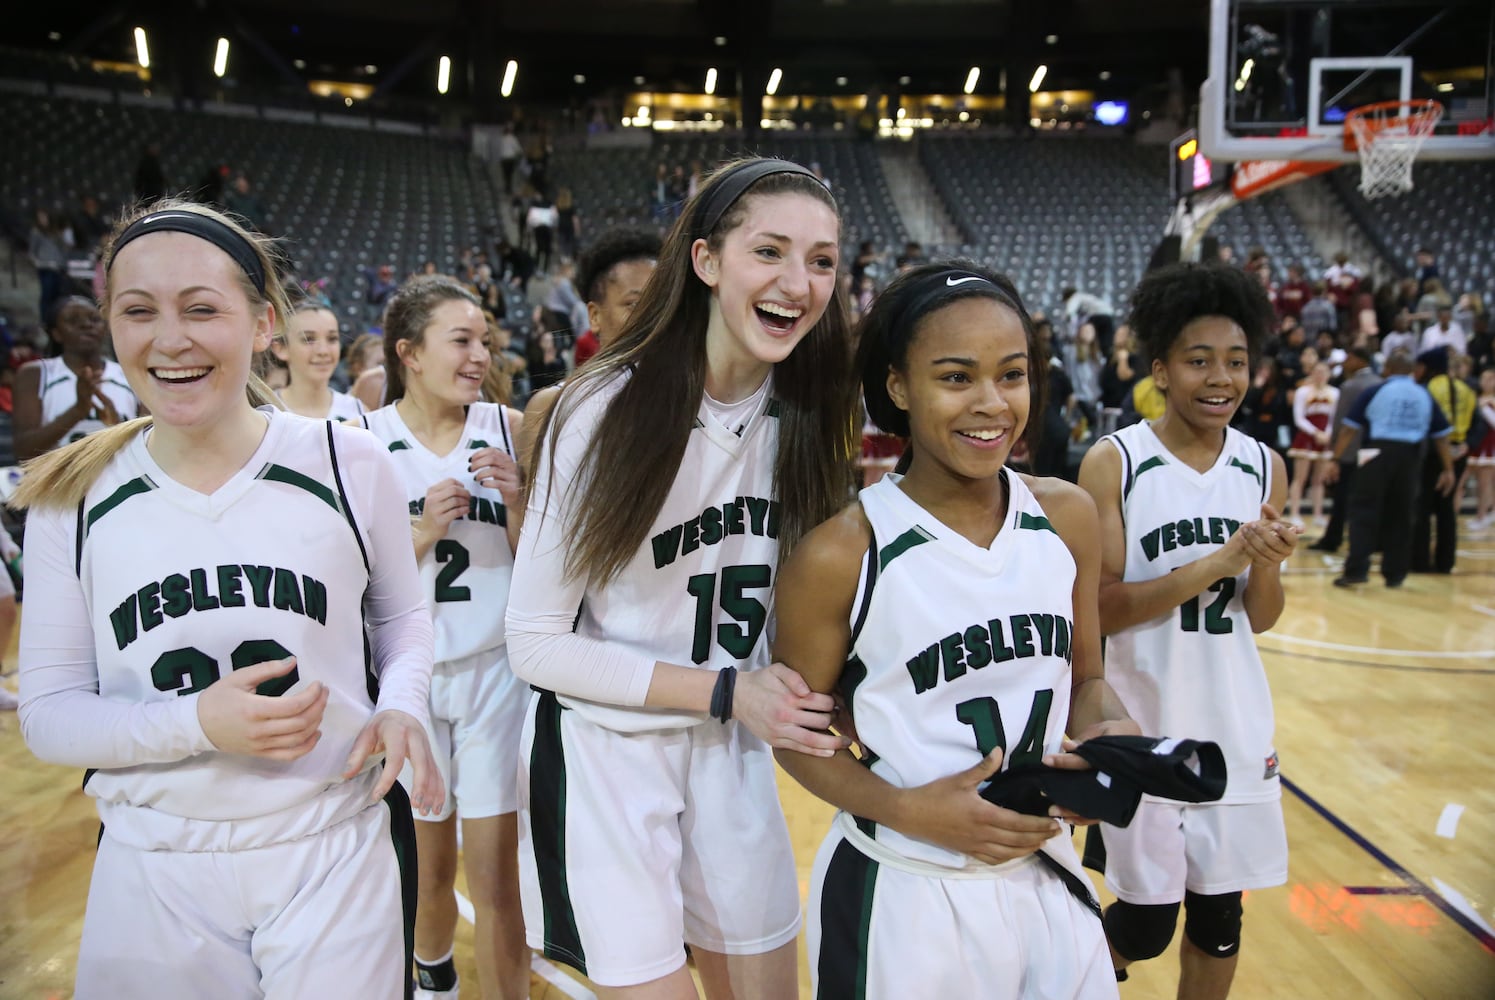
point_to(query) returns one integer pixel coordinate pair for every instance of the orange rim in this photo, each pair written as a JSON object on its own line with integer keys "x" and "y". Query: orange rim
{"x": 1421, "y": 112}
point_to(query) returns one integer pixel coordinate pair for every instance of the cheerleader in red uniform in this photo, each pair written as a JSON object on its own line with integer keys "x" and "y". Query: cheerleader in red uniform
{"x": 1311, "y": 450}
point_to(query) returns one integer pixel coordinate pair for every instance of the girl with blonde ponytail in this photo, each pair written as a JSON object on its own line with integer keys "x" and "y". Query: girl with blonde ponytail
{"x": 203, "y": 581}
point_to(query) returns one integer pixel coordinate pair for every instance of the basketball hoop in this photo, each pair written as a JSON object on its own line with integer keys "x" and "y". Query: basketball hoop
{"x": 1388, "y": 135}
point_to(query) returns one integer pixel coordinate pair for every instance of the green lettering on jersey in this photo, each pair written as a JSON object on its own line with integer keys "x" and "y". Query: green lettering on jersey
{"x": 123, "y": 620}
{"x": 952, "y": 653}
{"x": 978, "y": 647}
{"x": 229, "y": 587}
{"x": 176, "y": 595}
{"x": 924, "y": 668}
{"x": 287, "y": 594}
{"x": 259, "y": 583}
{"x": 1022, "y": 635}
{"x": 202, "y": 597}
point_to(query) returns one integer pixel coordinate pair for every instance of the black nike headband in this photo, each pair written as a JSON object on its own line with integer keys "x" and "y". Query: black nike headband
{"x": 204, "y": 227}
{"x": 733, "y": 185}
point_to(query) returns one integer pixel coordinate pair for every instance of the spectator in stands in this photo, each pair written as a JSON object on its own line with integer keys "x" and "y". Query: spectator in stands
{"x": 1482, "y": 343}
{"x": 912, "y": 256}
{"x": 1482, "y": 459}
{"x": 1294, "y": 293}
{"x": 382, "y": 284}
{"x": 509, "y": 152}
{"x": 1396, "y": 420}
{"x": 1081, "y": 308}
{"x": 1456, "y": 401}
{"x": 91, "y": 225}
{"x": 1290, "y": 356}
{"x": 1265, "y": 412}
{"x": 517, "y": 265}
{"x": 1359, "y": 377}
{"x": 1365, "y": 324}
{"x": 75, "y": 391}
{"x": 1444, "y": 333}
{"x": 1400, "y": 337}
{"x": 1260, "y": 265}
{"x": 611, "y": 276}
{"x": 1121, "y": 372}
{"x": 695, "y": 179}
{"x": 1082, "y": 362}
{"x": 568, "y": 312}
{"x": 1319, "y": 313}
{"x": 1434, "y": 296}
{"x": 49, "y": 245}
{"x": 1466, "y": 311}
{"x": 679, "y": 186}
{"x": 366, "y": 351}
{"x": 1343, "y": 279}
{"x": 659, "y": 194}
{"x": 1427, "y": 268}
{"x": 1387, "y": 305}
{"x": 150, "y": 179}
{"x": 820, "y": 175}
{"x": 1051, "y": 456}
{"x": 568, "y": 223}
{"x": 540, "y": 224}
{"x": 243, "y": 202}
{"x": 547, "y": 367}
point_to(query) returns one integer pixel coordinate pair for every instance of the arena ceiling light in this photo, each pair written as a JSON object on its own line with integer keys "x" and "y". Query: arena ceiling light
{"x": 971, "y": 78}
{"x": 511, "y": 70}
{"x": 220, "y": 58}
{"x": 1037, "y": 81}
{"x": 444, "y": 74}
{"x": 711, "y": 80}
{"x": 142, "y": 51}
{"x": 774, "y": 79}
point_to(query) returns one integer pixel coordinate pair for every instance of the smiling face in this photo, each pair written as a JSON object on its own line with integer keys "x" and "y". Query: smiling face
{"x": 79, "y": 328}
{"x": 1206, "y": 372}
{"x": 771, "y": 278}
{"x": 452, "y": 357}
{"x": 184, "y": 328}
{"x": 311, "y": 346}
{"x": 965, "y": 387}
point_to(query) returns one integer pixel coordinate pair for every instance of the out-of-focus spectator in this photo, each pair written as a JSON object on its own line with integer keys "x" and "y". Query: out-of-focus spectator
{"x": 48, "y": 245}
{"x": 241, "y": 200}
{"x": 1444, "y": 333}
{"x": 1294, "y": 293}
{"x": 90, "y": 224}
{"x": 1319, "y": 313}
{"x": 150, "y": 178}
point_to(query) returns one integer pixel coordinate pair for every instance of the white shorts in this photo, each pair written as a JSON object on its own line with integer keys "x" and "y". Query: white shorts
{"x": 632, "y": 845}
{"x": 883, "y": 933}
{"x": 477, "y": 710}
{"x": 321, "y": 916}
{"x": 1207, "y": 849}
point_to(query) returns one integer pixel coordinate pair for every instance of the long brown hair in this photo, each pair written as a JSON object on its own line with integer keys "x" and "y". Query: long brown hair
{"x": 62, "y": 478}
{"x": 619, "y": 489}
{"x": 406, "y": 317}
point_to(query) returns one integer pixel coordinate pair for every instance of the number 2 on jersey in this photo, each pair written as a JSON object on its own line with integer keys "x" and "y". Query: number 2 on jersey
{"x": 984, "y": 716}
{"x": 738, "y": 640}
{"x": 455, "y": 556}
{"x": 189, "y": 670}
{"x": 1217, "y": 620}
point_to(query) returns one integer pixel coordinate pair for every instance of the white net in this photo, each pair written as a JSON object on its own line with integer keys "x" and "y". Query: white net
{"x": 1388, "y": 137}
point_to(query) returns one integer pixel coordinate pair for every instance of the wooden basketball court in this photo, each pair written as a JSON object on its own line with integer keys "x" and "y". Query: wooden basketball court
{"x": 1383, "y": 726}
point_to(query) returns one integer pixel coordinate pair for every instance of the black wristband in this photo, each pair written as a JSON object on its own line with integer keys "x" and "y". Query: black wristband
{"x": 721, "y": 695}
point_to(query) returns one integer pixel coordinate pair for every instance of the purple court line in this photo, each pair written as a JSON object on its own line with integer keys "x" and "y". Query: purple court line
{"x": 1365, "y": 664}
{"x": 1484, "y": 937}
{"x": 1383, "y": 890}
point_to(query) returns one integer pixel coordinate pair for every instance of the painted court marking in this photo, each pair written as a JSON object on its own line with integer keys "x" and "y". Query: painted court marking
{"x": 1448, "y": 823}
{"x": 1432, "y": 654}
{"x": 1454, "y": 906}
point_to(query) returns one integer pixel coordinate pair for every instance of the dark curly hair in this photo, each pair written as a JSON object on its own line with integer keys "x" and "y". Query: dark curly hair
{"x": 1172, "y": 297}
{"x": 890, "y": 326}
{"x": 614, "y": 247}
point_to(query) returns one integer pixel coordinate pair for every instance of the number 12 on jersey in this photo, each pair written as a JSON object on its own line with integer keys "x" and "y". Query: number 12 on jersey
{"x": 749, "y": 612}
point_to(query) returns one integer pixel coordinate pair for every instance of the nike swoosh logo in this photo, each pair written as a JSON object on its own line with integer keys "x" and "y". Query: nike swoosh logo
{"x": 1223, "y": 947}
{"x": 951, "y": 282}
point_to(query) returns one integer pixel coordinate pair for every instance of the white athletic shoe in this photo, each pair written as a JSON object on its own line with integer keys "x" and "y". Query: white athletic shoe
{"x": 450, "y": 994}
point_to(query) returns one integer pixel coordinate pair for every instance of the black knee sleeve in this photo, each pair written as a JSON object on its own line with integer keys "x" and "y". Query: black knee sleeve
{"x": 1213, "y": 923}
{"x": 1138, "y": 932}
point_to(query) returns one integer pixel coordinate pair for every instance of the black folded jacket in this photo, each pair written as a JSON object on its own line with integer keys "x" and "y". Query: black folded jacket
{"x": 1124, "y": 768}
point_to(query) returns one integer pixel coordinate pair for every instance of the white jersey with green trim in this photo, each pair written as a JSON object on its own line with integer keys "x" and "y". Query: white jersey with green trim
{"x": 958, "y": 649}
{"x": 58, "y": 388}
{"x": 699, "y": 591}
{"x": 466, "y": 574}
{"x": 1195, "y": 672}
{"x": 181, "y": 588}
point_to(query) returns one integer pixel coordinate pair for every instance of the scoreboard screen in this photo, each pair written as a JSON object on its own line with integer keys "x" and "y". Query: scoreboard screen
{"x": 1189, "y": 169}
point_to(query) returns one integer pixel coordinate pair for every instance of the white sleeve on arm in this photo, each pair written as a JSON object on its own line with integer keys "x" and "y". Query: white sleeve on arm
{"x": 400, "y": 633}
{"x": 1300, "y": 411}
{"x": 544, "y": 650}
{"x": 63, "y": 718}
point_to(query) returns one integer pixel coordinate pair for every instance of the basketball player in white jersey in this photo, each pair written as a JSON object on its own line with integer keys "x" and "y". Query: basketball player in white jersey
{"x": 1192, "y": 545}
{"x": 611, "y": 277}
{"x": 62, "y": 399}
{"x": 954, "y": 607}
{"x": 455, "y": 456}
{"x": 228, "y": 636}
{"x": 712, "y": 433}
{"x": 309, "y": 349}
